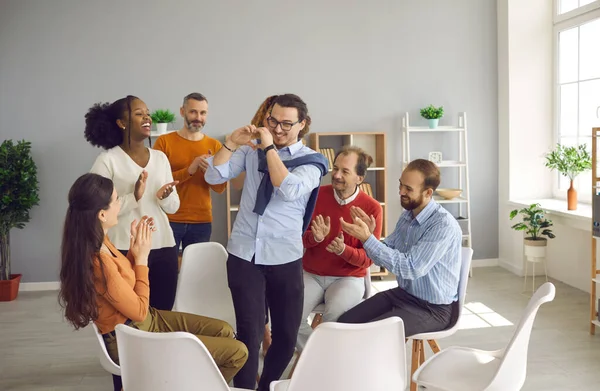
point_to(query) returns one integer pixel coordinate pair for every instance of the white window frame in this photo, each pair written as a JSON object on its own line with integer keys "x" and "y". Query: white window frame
{"x": 562, "y": 22}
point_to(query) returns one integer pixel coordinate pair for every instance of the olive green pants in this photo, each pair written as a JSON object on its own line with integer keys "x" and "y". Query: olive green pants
{"x": 229, "y": 354}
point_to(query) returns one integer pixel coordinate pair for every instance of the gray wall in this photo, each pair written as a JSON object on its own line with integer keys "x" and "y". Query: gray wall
{"x": 359, "y": 65}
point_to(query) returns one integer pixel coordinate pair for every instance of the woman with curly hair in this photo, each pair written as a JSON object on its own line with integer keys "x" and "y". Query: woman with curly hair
{"x": 143, "y": 179}
{"x": 100, "y": 284}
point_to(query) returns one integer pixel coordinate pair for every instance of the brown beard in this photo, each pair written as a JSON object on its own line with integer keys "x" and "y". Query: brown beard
{"x": 411, "y": 204}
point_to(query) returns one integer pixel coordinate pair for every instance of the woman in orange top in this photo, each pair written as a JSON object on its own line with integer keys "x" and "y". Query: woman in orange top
{"x": 100, "y": 284}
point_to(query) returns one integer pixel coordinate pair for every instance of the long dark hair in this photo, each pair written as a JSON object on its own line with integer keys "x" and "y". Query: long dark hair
{"x": 82, "y": 238}
{"x": 101, "y": 129}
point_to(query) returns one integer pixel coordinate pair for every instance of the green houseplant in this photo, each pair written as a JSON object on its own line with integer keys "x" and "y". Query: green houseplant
{"x": 433, "y": 115}
{"x": 18, "y": 194}
{"x": 161, "y": 118}
{"x": 570, "y": 162}
{"x": 537, "y": 230}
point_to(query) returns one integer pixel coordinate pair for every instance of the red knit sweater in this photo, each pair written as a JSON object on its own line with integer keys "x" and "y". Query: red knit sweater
{"x": 353, "y": 261}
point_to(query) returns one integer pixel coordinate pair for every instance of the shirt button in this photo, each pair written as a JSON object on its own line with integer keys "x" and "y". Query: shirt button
{"x": 257, "y": 239}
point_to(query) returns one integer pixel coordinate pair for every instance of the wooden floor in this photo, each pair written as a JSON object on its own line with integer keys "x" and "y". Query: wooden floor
{"x": 39, "y": 351}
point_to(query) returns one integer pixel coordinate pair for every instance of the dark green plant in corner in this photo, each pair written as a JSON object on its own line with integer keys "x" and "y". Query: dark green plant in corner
{"x": 432, "y": 112}
{"x": 534, "y": 224}
{"x": 569, "y": 161}
{"x": 162, "y": 116}
{"x": 18, "y": 194}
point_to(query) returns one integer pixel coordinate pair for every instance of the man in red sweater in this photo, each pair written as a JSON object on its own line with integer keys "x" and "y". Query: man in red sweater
{"x": 335, "y": 264}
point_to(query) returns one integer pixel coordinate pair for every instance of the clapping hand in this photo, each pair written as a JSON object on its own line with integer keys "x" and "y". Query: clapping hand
{"x": 140, "y": 240}
{"x": 337, "y": 245}
{"x": 140, "y": 185}
{"x": 320, "y": 227}
{"x": 166, "y": 190}
{"x": 358, "y": 228}
{"x": 357, "y": 212}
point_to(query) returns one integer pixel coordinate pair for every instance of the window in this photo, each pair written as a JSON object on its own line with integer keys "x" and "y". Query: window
{"x": 577, "y": 81}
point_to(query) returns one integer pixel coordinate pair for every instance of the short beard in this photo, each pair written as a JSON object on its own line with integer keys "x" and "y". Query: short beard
{"x": 412, "y": 204}
{"x": 192, "y": 128}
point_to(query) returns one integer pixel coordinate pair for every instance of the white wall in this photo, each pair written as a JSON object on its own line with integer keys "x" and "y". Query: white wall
{"x": 359, "y": 65}
{"x": 525, "y": 66}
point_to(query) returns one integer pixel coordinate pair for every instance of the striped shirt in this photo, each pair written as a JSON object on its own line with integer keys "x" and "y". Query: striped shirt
{"x": 424, "y": 252}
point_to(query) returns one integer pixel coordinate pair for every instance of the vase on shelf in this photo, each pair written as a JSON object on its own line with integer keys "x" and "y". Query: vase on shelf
{"x": 433, "y": 122}
{"x": 161, "y": 128}
{"x": 571, "y": 197}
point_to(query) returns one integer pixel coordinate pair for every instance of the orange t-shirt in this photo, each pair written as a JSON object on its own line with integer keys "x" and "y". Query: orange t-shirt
{"x": 194, "y": 193}
{"x": 127, "y": 291}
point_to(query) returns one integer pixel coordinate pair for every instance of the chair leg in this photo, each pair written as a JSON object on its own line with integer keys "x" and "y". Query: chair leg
{"x": 434, "y": 346}
{"x": 417, "y": 347}
{"x": 422, "y": 355}
{"x": 317, "y": 320}
{"x": 294, "y": 366}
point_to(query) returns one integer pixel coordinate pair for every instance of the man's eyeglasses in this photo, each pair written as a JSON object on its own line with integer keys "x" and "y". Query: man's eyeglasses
{"x": 285, "y": 126}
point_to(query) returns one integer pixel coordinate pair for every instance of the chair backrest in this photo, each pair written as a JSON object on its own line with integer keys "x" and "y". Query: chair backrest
{"x": 367, "y": 284}
{"x": 107, "y": 363}
{"x": 165, "y": 362}
{"x": 466, "y": 256}
{"x": 202, "y": 286}
{"x": 340, "y": 356}
{"x": 513, "y": 368}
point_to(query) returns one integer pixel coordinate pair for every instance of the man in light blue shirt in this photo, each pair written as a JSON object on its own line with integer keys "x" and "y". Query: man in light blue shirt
{"x": 265, "y": 246}
{"x": 424, "y": 252}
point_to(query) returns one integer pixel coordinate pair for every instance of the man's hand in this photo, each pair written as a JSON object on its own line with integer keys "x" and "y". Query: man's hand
{"x": 359, "y": 229}
{"x": 140, "y": 185}
{"x": 244, "y": 135}
{"x": 337, "y": 245}
{"x": 320, "y": 227}
{"x": 166, "y": 190}
{"x": 266, "y": 138}
{"x": 199, "y": 162}
{"x": 357, "y": 212}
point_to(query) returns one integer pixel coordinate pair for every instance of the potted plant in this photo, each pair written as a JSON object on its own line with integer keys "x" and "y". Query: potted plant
{"x": 18, "y": 194}
{"x": 433, "y": 115}
{"x": 161, "y": 118}
{"x": 536, "y": 226}
{"x": 570, "y": 162}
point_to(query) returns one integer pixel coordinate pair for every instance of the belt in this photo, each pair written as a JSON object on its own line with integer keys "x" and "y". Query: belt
{"x": 112, "y": 333}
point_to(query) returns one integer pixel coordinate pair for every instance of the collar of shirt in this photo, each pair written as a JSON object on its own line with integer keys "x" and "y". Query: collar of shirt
{"x": 424, "y": 215}
{"x": 347, "y": 200}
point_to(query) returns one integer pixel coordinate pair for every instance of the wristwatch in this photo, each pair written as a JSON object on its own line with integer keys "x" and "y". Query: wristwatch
{"x": 267, "y": 149}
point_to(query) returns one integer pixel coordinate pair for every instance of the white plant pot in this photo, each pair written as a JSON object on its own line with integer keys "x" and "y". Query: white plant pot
{"x": 535, "y": 250}
{"x": 161, "y": 128}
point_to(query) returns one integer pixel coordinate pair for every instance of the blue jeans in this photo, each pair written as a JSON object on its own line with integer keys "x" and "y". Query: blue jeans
{"x": 191, "y": 233}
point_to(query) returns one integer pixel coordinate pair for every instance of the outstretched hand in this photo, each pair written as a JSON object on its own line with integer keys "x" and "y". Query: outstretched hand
{"x": 358, "y": 228}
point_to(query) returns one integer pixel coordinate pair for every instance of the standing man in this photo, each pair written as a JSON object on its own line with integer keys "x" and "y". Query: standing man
{"x": 424, "y": 252}
{"x": 335, "y": 264}
{"x": 188, "y": 150}
{"x": 265, "y": 247}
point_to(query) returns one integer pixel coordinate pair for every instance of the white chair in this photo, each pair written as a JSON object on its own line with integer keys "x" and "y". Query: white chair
{"x": 418, "y": 346}
{"x": 466, "y": 369}
{"x": 166, "y": 361}
{"x": 107, "y": 363}
{"x": 202, "y": 285}
{"x": 351, "y": 357}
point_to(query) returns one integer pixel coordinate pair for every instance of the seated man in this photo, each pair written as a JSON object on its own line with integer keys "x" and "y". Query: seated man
{"x": 423, "y": 252}
{"x": 334, "y": 264}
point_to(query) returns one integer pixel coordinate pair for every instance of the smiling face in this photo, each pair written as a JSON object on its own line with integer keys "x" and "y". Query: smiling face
{"x": 108, "y": 217}
{"x": 344, "y": 178}
{"x": 286, "y": 117}
{"x": 139, "y": 123}
{"x": 194, "y": 113}
{"x": 413, "y": 195}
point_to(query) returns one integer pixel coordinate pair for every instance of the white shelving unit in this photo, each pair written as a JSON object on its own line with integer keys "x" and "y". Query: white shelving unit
{"x": 595, "y": 270}
{"x": 460, "y": 163}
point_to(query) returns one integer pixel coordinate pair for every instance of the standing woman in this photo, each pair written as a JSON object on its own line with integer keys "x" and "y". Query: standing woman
{"x": 142, "y": 177}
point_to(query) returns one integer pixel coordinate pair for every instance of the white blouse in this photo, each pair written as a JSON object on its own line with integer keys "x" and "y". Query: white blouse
{"x": 124, "y": 172}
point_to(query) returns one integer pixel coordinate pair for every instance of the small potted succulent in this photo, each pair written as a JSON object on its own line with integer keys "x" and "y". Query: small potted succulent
{"x": 433, "y": 115}
{"x": 18, "y": 194}
{"x": 161, "y": 118}
{"x": 536, "y": 226}
{"x": 570, "y": 162}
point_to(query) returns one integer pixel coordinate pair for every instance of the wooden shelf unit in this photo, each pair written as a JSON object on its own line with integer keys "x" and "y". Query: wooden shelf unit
{"x": 594, "y": 270}
{"x": 374, "y": 143}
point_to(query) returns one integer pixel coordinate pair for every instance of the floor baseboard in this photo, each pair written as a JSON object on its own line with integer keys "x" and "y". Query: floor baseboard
{"x": 39, "y": 286}
{"x": 489, "y": 262}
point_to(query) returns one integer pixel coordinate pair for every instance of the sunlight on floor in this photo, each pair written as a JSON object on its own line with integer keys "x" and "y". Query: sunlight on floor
{"x": 478, "y": 315}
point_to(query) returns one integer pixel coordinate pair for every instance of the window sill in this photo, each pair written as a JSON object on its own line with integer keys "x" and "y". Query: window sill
{"x": 557, "y": 211}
